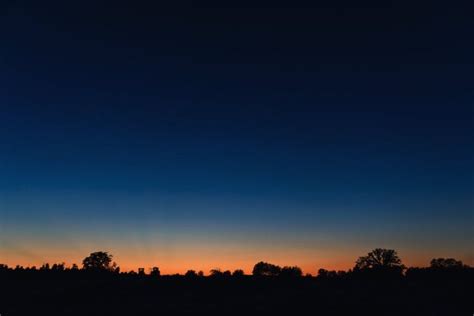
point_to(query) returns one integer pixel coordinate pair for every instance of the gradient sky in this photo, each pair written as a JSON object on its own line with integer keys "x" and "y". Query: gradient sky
{"x": 198, "y": 137}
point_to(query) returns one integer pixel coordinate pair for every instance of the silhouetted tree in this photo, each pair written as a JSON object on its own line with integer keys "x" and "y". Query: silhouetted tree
{"x": 215, "y": 272}
{"x": 98, "y": 261}
{"x": 266, "y": 269}
{"x": 380, "y": 259}
{"x": 58, "y": 267}
{"x": 200, "y": 273}
{"x": 322, "y": 273}
{"x": 238, "y": 273}
{"x": 19, "y": 268}
{"x": 3, "y": 267}
{"x": 326, "y": 274}
{"x": 155, "y": 272}
{"x": 190, "y": 274}
{"x": 226, "y": 273}
{"x": 74, "y": 267}
{"x": 448, "y": 263}
{"x": 45, "y": 267}
{"x": 141, "y": 271}
{"x": 291, "y": 272}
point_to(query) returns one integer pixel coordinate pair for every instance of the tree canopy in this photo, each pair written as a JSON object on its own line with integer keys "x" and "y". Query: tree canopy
{"x": 266, "y": 269}
{"x": 380, "y": 259}
{"x": 98, "y": 261}
{"x": 446, "y": 263}
{"x": 291, "y": 272}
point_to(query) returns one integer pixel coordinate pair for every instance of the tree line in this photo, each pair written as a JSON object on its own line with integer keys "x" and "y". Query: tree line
{"x": 379, "y": 261}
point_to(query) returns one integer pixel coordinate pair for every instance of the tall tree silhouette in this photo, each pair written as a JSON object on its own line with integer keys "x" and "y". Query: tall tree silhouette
{"x": 98, "y": 261}
{"x": 380, "y": 259}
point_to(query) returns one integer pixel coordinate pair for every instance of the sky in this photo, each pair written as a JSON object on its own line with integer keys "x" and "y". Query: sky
{"x": 198, "y": 136}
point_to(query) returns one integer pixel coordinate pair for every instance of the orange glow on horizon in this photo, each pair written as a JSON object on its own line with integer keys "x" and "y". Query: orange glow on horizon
{"x": 205, "y": 259}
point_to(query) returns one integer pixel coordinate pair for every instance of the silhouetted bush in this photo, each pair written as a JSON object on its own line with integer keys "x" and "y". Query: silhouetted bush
{"x": 266, "y": 269}
{"x": 191, "y": 274}
{"x": 215, "y": 272}
{"x": 449, "y": 263}
{"x": 291, "y": 272}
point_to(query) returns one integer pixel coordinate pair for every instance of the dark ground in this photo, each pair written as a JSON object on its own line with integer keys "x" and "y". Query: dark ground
{"x": 81, "y": 293}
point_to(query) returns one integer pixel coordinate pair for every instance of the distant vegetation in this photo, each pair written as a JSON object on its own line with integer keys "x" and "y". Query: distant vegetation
{"x": 378, "y": 284}
{"x": 378, "y": 261}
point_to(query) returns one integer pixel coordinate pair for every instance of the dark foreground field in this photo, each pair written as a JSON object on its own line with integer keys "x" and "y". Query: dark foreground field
{"x": 422, "y": 292}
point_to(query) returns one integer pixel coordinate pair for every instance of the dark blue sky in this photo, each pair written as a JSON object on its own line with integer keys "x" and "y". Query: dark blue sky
{"x": 316, "y": 127}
